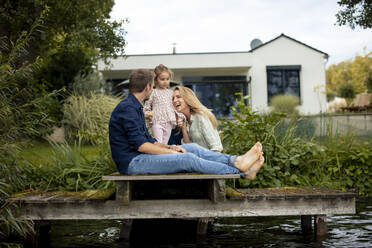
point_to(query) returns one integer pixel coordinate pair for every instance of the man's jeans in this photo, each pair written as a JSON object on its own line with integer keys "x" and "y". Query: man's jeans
{"x": 196, "y": 159}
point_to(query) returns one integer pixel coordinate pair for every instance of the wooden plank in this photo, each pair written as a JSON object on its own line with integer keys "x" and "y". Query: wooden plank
{"x": 180, "y": 176}
{"x": 202, "y": 208}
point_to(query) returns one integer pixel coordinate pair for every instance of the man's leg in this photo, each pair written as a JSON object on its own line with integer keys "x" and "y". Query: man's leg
{"x": 176, "y": 163}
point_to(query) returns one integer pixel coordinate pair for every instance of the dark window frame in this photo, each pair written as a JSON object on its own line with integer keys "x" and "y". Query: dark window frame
{"x": 283, "y": 69}
{"x": 208, "y": 80}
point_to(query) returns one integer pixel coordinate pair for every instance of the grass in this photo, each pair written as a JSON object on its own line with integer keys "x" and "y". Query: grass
{"x": 42, "y": 153}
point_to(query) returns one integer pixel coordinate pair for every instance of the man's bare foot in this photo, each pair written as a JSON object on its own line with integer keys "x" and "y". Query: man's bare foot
{"x": 244, "y": 162}
{"x": 252, "y": 171}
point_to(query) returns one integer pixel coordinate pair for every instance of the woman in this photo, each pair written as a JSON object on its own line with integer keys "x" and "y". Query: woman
{"x": 201, "y": 126}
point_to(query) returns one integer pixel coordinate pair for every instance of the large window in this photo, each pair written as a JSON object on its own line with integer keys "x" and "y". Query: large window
{"x": 283, "y": 80}
{"x": 217, "y": 92}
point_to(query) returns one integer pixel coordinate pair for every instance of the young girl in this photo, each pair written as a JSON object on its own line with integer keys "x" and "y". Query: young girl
{"x": 159, "y": 108}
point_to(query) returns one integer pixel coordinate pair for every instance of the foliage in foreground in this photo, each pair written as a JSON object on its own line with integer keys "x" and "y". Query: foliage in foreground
{"x": 338, "y": 162}
{"x": 71, "y": 170}
{"x": 21, "y": 115}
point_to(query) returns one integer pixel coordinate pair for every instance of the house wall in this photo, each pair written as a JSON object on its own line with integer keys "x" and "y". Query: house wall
{"x": 284, "y": 52}
{"x": 281, "y": 51}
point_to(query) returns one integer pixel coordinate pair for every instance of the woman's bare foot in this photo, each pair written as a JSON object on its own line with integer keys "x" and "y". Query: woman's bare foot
{"x": 244, "y": 162}
{"x": 252, "y": 171}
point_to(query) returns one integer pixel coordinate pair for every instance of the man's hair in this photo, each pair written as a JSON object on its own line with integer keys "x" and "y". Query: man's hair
{"x": 139, "y": 79}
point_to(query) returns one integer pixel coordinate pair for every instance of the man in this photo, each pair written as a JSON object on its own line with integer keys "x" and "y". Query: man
{"x": 134, "y": 151}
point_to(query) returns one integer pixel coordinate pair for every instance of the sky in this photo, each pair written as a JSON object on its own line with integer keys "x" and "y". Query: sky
{"x": 231, "y": 25}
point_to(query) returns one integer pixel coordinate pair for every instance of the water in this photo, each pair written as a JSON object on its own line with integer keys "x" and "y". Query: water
{"x": 343, "y": 231}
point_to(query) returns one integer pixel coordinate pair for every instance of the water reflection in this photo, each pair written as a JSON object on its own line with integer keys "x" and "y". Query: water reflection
{"x": 343, "y": 231}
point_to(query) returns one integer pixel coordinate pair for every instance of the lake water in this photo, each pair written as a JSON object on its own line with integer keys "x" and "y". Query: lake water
{"x": 343, "y": 231}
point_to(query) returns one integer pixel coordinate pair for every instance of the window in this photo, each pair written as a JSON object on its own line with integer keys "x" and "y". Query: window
{"x": 118, "y": 86}
{"x": 283, "y": 80}
{"x": 217, "y": 92}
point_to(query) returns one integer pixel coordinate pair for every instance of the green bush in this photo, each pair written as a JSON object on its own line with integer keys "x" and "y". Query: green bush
{"x": 347, "y": 162}
{"x": 291, "y": 160}
{"x": 347, "y": 91}
{"x": 288, "y": 158}
{"x": 285, "y": 104}
{"x": 87, "y": 117}
{"x": 86, "y": 84}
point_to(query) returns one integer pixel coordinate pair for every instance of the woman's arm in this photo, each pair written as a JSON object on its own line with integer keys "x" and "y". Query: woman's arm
{"x": 181, "y": 123}
{"x": 210, "y": 134}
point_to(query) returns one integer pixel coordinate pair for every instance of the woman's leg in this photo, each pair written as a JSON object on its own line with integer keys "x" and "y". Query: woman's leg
{"x": 206, "y": 154}
{"x": 243, "y": 162}
{"x": 176, "y": 163}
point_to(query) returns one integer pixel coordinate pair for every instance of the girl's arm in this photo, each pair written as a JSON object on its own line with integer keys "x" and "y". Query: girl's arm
{"x": 148, "y": 105}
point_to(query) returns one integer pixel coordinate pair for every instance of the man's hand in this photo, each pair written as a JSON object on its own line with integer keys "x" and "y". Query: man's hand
{"x": 177, "y": 148}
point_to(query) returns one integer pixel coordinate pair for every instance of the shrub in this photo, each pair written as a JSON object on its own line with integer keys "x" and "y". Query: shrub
{"x": 347, "y": 91}
{"x": 285, "y": 104}
{"x": 87, "y": 117}
{"x": 86, "y": 84}
{"x": 289, "y": 159}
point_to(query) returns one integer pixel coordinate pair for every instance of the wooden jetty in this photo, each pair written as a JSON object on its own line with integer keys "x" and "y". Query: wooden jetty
{"x": 132, "y": 202}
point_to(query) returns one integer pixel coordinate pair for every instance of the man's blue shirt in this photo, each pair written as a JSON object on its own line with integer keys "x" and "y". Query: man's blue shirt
{"x": 127, "y": 132}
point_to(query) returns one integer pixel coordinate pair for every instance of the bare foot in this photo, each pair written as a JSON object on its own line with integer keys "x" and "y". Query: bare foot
{"x": 244, "y": 162}
{"x": 252, "y": 171}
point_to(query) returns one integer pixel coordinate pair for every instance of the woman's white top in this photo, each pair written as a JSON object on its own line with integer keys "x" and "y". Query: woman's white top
{"x": 203, "y": 133}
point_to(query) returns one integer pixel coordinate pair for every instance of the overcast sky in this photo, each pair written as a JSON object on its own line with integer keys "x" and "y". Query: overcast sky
{"x": 230, "y": 25}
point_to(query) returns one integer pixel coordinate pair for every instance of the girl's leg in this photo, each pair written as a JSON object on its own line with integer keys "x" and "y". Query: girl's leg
{"x": 167, "y": 130}
{"x": 175, "y": 163}
{"x": 157, "y": 132}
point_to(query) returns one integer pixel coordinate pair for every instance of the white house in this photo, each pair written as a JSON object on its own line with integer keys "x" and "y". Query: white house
{"x": 282, "y": 65}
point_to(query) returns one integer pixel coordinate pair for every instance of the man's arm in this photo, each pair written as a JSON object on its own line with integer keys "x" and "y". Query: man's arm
{"x": 159, "y": 148}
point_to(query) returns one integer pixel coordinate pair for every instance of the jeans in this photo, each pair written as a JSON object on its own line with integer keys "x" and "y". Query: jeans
{"x": 197, "y": 159}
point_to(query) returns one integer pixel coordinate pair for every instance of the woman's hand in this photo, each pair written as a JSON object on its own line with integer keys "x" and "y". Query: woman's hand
{"x": 181, "y": 123}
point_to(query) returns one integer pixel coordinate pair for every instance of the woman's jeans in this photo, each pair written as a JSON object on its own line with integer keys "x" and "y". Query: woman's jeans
{"x": 196, "y": 159}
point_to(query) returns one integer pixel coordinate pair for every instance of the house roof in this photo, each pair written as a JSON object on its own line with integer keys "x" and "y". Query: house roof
{"x": 286, "y": 36}
{"x": 262, "y": 45}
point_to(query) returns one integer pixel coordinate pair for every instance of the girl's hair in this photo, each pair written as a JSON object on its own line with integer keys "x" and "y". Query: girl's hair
{"x": 195, "y": 105}
{"x": 160, "y": 69}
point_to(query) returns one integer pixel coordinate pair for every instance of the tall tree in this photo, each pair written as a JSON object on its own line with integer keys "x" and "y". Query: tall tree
{"x": 351, "y": 72}
{"x": 355, "y": 13}
{"x": 74, "y": 35}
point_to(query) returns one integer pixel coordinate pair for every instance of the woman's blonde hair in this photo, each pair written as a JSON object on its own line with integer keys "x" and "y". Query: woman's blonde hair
{"x": 195, "y": 105}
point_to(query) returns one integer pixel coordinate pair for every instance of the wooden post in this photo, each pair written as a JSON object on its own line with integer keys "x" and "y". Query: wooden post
{"x": 40, "y": 235}
{"x": 217, "y": 190}
{"x": 306, "y": 225}
{"x": 202, "y": 227}
{"x": 126, "y": 228}
{"x": 320, "y": 226}
{"x": 123, "y": 192}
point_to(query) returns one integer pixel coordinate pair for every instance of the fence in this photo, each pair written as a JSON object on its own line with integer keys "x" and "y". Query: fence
{"x": 356, "y": 124}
